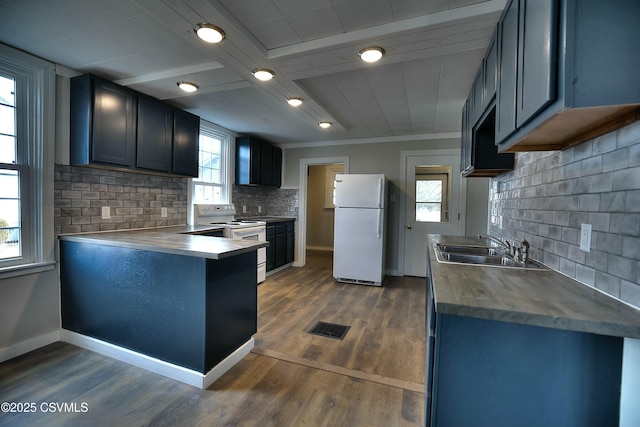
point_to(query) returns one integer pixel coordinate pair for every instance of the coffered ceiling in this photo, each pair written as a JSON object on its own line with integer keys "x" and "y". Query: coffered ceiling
{"x": 433, "y": 50}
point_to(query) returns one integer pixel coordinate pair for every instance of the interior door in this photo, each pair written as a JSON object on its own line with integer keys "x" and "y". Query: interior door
{"x": 422, "y": 216}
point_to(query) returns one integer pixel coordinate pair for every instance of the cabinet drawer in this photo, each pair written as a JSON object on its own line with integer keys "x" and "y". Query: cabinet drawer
{"x": 280, "y": 228}
{"x": 271, "y": 230}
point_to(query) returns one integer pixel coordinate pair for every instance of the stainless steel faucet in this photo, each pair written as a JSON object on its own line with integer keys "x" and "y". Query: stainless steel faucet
{"x": 524, "y": 251}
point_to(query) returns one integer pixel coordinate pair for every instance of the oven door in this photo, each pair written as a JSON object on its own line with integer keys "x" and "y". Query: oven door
{"x": 258, "y": 233}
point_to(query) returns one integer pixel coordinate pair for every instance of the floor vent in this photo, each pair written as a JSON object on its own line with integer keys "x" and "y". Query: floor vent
{"x": 329, "y": 330}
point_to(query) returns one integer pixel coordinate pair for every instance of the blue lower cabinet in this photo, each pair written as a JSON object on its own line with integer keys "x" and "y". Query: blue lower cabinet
{"x": 496, "y": 374}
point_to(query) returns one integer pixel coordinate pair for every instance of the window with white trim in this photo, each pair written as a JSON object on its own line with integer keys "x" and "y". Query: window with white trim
{"x": 214, "y": 177}
{"x": 27, "y": 106}
{"x": 432, "y": 193}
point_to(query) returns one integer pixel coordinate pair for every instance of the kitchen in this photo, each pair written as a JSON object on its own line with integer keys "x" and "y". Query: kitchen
{"x": 598, "y": 179}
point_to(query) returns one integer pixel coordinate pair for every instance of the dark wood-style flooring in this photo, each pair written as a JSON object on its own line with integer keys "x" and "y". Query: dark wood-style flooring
{"x": 373, "y": 377}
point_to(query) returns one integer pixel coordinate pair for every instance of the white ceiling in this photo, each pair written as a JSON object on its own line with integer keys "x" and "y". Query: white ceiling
{"x": 433, "y": 50}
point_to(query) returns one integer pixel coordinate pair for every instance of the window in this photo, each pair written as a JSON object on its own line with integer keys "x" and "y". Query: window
{"x": 330, "y": 196}
{"x": 27, "y": 104}
{"x": 213, "y": 182}
{"x": 432, "y": 193}
{"x": 11, "y": 173}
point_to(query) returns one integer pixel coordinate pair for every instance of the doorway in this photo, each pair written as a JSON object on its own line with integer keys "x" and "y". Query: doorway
{"x": 321, "y": 205}
{"x": 434, "y": 203}
{"x": 306, "y": 195}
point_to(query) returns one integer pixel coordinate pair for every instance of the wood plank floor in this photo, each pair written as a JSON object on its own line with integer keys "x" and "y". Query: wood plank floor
{"x": 374, "y": 377}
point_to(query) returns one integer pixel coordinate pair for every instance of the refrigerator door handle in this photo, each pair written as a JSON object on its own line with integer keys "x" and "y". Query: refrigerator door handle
{"x": 380, "y": 192}
{"x": 379, "y": 228}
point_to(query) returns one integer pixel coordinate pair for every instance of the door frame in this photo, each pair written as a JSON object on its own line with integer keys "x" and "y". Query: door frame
{"x": 462, "y": 203}
{"x": 301, "y": 234}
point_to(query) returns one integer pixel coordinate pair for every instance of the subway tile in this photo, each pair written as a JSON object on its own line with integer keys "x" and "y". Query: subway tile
{"x": 631, "y": 247}
{"x": 625, "y": 223}
{"x": 589, "y": 202}
{"x": 630, "y": 292}
{"x": 576, "y": 254}
{"x": 586, "y": 275}
{"x": 629, "y": 135}
{"x": 596, "y": 259}
{"x": 570, "y": 235}
{"x": 599, "y": 221}
{"x": 615, "y": 160}
{"x": 613, "y": 201}
{"x": 623, "y": 268}
{"x": 627, "y": 179}
{"x": 605, "y": 143}
{"x": 608, "y": 283}
{"x": 632, "y": 202}
{"x": 582, "y": 151}
{"x": 567, "y": 267}
{"x": 609, "y": 242}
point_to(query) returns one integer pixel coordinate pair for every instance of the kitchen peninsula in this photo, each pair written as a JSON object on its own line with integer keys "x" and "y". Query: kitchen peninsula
{"x": 170, "y": 300}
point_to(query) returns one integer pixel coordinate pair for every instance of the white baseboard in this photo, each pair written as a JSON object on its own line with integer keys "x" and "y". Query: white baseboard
{"x": 158, "y": 366}
{"x": 28, "y": 345}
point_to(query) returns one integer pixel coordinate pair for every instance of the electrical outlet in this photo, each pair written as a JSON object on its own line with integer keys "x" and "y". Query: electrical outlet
{"x": 106, "y": 212}
{"x": 585, "y": 237}
{"x": 163, "y": 212}
{"x": 259, "y": 209}
{"x": 244, "y": 208}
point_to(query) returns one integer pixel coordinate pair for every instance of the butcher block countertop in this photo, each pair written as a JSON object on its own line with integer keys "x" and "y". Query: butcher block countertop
{"x": 173, "y": 240}
{"x": 532, "y": 297}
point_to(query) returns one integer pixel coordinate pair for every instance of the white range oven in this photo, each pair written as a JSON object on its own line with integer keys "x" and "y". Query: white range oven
{"x": 224, "y": 215}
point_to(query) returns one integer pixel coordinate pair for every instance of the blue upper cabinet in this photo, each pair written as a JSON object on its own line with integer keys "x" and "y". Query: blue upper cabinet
{"x": 119, "y": 128}
{"x": 258, "y": 162}
{"x": 528, "y": 36}
{"x": 102, "y": 123}
{"x": 567, "y": 72}
{"x": 537, "y": 40}
{"x": 186, "y": 137}
{"x": 155, "y": 134}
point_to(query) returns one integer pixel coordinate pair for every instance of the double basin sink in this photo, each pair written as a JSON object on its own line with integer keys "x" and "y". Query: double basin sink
{"x": 490, "y": 256}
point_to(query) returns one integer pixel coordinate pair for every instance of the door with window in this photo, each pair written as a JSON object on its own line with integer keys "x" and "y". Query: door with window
{"x": 432, "y": 206}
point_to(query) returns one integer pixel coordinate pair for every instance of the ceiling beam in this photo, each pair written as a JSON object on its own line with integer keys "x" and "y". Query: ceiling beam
{"x": 474, "y": 11}
{"x": 167, "y": 74}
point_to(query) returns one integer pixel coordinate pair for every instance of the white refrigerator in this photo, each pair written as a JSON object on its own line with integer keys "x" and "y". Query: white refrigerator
{"x": 360, "y": 228}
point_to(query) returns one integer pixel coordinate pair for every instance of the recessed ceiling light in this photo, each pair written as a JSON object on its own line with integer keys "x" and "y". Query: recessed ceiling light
{"x": 324, "y": 125}
{"x": 263, "y": 74}
{"x": 188, "y": 86}
{"x": 371, "y": 54}
{"x": 209, "y": 33}
{"x": 295, "y": 102}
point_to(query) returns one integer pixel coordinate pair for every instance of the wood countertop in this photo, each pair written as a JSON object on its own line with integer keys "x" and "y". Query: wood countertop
{"x": 532, "y": 297}
{"x": 172, "y": 240}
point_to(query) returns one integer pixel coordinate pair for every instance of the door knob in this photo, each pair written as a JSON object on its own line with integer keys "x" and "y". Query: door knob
{"x": 409, "y": 227}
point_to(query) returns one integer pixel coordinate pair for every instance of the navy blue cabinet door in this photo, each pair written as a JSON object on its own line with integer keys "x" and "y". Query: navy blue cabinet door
{"x": 155, "y": 127}
{"x": 114, "y": 114}
{"x": 507, "y": 69}
{"x": 186, "y": 137}
{"x": 537, "y": 57}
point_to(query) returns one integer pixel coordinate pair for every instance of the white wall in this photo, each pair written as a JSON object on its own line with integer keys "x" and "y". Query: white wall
{"x": 477, "y": 206}
{"x": 384, "y": 157}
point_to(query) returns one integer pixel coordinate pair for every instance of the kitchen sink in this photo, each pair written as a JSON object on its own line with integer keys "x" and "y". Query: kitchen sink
{"x": 470, "y": 250}
{"x": 481, "y": 256}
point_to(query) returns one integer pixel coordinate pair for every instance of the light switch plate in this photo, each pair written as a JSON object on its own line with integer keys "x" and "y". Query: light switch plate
{"x": 163, "y": 212}
{"x": 106, "y": 212}
{"x": 585, "y": 237}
